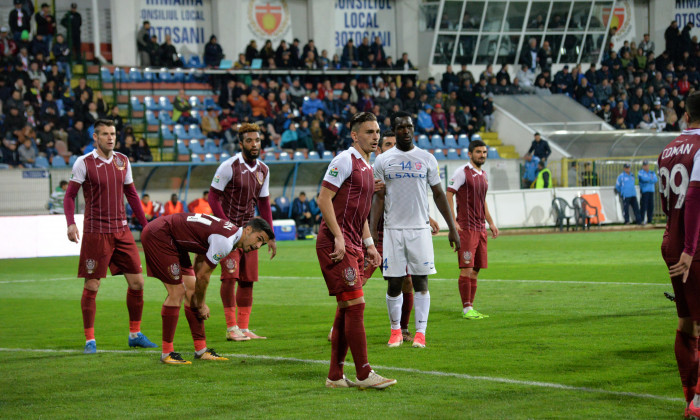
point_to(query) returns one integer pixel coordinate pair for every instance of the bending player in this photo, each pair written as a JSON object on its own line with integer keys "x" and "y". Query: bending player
{"x": 240, "y": 183}
{"x": 470, "y": 183}
{"x": 408, "y": 246}
{"x": 345, "y": 200}
{"x": 167, "y": 242}
{"x": 105, "y": 176}
{"x": 679, "y": 187}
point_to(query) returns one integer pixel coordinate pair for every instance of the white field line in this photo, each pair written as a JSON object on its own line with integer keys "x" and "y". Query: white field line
{"x": 535, "y": 384}
{"x": 614, "y": 283}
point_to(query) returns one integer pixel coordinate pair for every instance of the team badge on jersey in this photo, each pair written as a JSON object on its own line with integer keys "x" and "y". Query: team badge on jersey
{"x": 467, "y": 256}
{"x": 119, "y": 163}
{"x": 260, "y": 177}
{"x": 350, "y": 275}
{"x": 231, "y": 265}
{"x": 418, "y": 166}
{"x": 90, "y": 265}
{"x": 333, "y": 171}
{"x": 175, "y": 271}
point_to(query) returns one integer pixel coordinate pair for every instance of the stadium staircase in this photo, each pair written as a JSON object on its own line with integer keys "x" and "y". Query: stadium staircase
{"x": 504, "y": 151}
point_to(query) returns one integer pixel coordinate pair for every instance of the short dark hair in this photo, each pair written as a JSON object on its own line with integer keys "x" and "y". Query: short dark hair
{"x": 62, "y": 183}
{"x": 361, "y": 118}
{"x": 476, "y": 143}
{"x": 103, "y": 122}
{"x": 205, "y": 193}
{"x": 395, "y": 115}
{"x": 258, "y": 224}
{"x": 692, "y": 106}
{"x": 145, "y": 22}
{"x": 385, "y": 134}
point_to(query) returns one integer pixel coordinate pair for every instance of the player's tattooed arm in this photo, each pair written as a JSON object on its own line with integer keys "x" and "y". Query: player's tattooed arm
{"x": 376, "y": 213}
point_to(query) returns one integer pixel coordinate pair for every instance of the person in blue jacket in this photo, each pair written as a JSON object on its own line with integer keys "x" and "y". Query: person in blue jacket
{"x": 647, "y": 186}
{"x": 625, "y": 187}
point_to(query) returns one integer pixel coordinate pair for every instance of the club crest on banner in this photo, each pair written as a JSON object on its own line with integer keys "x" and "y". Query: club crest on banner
{"x": 268, "y": 18}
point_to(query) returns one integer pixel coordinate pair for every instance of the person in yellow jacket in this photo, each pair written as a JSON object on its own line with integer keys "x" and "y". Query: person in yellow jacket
{"x": 544, "y": 177}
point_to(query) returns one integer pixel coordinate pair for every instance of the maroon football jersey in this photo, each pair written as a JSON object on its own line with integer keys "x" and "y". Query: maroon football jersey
{"x": 203, "y": 234}
{"x": 242, "y": 185}
{"x": 469, "y": 186}
{"x": 679, "y": 168}
{"x": 352, "y": 179}
{"x": 103, "y": 183}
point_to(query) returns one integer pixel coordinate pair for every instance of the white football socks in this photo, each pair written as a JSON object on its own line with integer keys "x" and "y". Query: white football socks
{"x": 421, "y": 305}
{"x": 394, "y": 305}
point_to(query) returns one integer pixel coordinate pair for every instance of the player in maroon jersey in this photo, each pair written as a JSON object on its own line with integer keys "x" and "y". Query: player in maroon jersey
{"x": 345, "y": 201}
{"x": 679, "y": 187}
{"x": 167, "y": 242}
{"x": 240, "y": 183}
{"x": 106, "y": 178}
{"x": 469, "y": 183}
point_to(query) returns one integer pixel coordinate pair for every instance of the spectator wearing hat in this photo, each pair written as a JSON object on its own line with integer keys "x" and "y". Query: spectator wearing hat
{"x": 8, "y": 47}
{"x": 213, "y": 53}
{"x": 439, "y": 120}
{"x": 19, "y": 20}
{"x": 628, "y": 192}
{"x": 424, "y": 122}
{"x": 647, "y": 185}
{"x": 657, "y": 117}
{"x": 539, "y": 148}
{"x": 72, "y": 21}
{"x": 530, "y": 171}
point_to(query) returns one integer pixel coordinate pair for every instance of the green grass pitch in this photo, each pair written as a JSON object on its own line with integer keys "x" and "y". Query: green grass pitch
{"x": 579, "y": 328}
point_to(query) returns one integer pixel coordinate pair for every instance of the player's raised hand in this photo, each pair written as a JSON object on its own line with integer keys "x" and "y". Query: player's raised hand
{"x": 339, "y": 250}
{"x": 272, "y": 248}
{"x": 73, "y": 234}
{"x": 378, "y": 185}
{"x": 453, "y": 236}
{"x": 682, "y": 267}
{"x": 494, "y": 231}
{"x": 374, "y": 258}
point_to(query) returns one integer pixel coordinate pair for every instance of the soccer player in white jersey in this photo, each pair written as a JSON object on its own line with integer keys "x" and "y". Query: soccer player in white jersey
{"x": 407, "y": 171}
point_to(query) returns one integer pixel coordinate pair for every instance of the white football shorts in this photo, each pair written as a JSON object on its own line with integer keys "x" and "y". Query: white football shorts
{"x": 408, "y": 251}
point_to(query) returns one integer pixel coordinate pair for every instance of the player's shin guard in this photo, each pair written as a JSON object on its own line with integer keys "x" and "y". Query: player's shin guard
{"x": 422, "y": 305}
{"x": 686, "y": 348}
{"x": 339, "y": 346}
{"x": 355, "y": 333}
{"x": 465, "y": 291}
{"x": 88, "y": 307}
{"x": 170, "y": 314}
{"x": 196, "y": 328}
{"x": 406, "y": 308}
{"x": 228, "y": 298}
{"x": 134, "y": 303}
{"x": 393, "y": 305}
{"x": 244, "y": 303}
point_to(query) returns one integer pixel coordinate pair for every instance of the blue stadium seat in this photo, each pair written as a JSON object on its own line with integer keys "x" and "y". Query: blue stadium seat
{"x": 450, "y": 141}
{"x": 314, "y": 156}
{"x": 439, "y": 154}
{"x": 299, "y": 156}
{"x": 226, "y": 64}
{"x": 165, "y": 104}
{"x": 209, "y": 102}
{"x": 106, "y": 75}
{"x": 119, "y": 75}
{"x": 179, "y": 131}
{"x": 195, "y": 158}
{"x": 151, "y": 104}
{"x": 167, "y": 133}
{"x": 424, "y": 142}
{"x": 452, "y": 154}
{"x": 196, "y": 103}
{"x": 151, "y": 118}
{"x": 284, "y": 156}
{"x": 194, "y": 62}
{"x": 464, "y": 153}
{"x": 463, "y": 140}
{"x": 165, "y": 118}
{"x": 197, "y": 116}
{"x": 178, "y": 75}
{"x": 493, "y": 153}
{"x": 150, "y": 76}
{"x": 136, "y": 105}
{"x": 4, "y": 166}
{"x": 209, "y": 158}
{"x": 165, "y": 76}
{"x": 196, "y": 147}
{"x": 182, "y": 148}
{"x": 194, "y": 132}
{"x": 475, "y": 136}
{"x": 327, "y": 155}
{"x": 224, "y": 156}
{"x": 282, "y": 204}
{"x": 72, "y": 159}
{"x": 58, "y": 162}
{"x": 437, "y": 142}
{"x": 211, "y": 147}
{"x": 135, "y": 75}
{"x": 41, "y": 162}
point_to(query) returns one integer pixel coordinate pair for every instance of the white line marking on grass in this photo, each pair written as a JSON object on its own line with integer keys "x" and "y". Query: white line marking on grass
{"x": 612, "y": 283}
{"x": 398, "y": 369}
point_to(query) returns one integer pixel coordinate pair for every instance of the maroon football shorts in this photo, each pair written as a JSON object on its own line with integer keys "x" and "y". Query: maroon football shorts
{"x": 472, "y": 250}
{"x": 239, "y": 265}
{"x": 114, "y": 250}
{"x": 344, "y": 278}
{"x": 163, "y": 260}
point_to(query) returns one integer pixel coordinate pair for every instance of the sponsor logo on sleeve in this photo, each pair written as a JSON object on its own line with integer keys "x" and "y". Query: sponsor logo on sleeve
{"x": 333, "y": 171}
{"x": 452, "y": 182}
{"x": 219, "y": 256}
{"x": 216, "y": 179}
{"x": 72, "y": 176}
